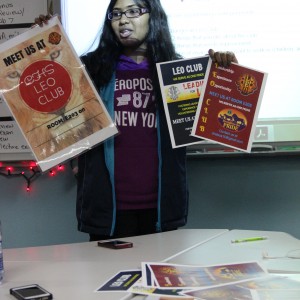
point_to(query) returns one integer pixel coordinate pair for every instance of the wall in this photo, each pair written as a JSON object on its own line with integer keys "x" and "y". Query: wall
{"x": 246, "y": 193}
{"x": 43, "y": 216}
{"x": 56, "y": 6}
{"x": 243, "y": 193}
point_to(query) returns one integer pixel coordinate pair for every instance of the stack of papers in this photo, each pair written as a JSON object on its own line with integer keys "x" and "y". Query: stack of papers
{"x": 242, "y": 281}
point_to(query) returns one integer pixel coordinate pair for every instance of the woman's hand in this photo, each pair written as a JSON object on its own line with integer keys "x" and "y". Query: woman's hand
{"x": 222, "y": 58}
{"x": 42, "y": 19}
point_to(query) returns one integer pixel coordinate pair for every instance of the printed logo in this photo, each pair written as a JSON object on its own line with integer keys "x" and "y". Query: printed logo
{"x": 232, "y": 119}
{"x": 246, "y": 84}
{"x": 54, "y": 38}
{"x": 124, "y": 100}
{"x": 170, "y": 270}
{"x": 173, "y": 92}
{"x": 45, "y": 86}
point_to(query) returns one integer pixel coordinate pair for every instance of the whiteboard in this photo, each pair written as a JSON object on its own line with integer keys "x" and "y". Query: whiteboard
{"x": 263, "y": 36}
{"x": 16, "y": 17}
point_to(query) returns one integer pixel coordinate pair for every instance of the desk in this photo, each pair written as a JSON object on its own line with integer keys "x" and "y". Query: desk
{"x": 74, "y": 271}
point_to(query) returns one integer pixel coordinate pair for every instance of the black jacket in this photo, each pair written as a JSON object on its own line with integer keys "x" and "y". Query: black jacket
{"x": 96, "y": 204}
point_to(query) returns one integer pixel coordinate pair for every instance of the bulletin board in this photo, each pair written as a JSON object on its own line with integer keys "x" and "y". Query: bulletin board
{"x": 16, "y": 17}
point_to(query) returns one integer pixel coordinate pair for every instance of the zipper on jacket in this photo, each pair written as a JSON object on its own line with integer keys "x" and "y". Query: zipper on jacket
{"x": 158, "y": 224}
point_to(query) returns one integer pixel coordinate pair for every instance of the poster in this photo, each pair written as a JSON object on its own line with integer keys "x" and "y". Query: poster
{"x": 50, "y": 95}
{"x": 181, "y": 83}
{"x": 190, "y": 277}
{"x": 229, "y": 105}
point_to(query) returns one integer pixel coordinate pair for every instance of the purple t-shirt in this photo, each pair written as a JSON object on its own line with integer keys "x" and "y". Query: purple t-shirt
{"x": 136, "y": 157}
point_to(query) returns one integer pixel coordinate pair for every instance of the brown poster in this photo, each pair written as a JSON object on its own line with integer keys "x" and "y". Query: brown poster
{"x": 50, "y": 95}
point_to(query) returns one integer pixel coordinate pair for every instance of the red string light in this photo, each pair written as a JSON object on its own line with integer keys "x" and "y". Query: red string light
{"x": 30, "y": 173}
{"x": 60, "y": 167}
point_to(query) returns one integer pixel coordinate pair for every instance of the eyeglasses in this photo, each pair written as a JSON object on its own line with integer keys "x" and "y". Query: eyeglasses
{"x": 129, "y": 13}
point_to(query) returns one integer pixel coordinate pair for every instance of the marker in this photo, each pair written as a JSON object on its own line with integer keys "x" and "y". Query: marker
{"x": 251, "y": 239}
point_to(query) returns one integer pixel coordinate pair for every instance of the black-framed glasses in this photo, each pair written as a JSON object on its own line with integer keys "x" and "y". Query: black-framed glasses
{"x": 129, "y": 13}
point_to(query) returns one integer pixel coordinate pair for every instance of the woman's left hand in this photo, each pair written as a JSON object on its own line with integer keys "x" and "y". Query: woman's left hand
{"x": 222, "y": 58}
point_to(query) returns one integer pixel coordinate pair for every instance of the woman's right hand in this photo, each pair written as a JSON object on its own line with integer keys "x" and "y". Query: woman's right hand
{"x": 42, "y": 19}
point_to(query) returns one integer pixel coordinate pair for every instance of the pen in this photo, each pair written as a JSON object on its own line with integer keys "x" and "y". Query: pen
{"x": 251, "y": 239}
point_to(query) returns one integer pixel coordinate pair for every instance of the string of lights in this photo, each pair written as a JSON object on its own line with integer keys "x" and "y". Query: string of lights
{"x": 29, "y": 172}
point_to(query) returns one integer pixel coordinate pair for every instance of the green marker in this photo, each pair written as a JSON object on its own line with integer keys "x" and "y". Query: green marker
{"x": 251, "y": 239}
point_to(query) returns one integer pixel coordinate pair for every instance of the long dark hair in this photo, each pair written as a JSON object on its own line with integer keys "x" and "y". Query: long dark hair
{"x": 102, "y": 61}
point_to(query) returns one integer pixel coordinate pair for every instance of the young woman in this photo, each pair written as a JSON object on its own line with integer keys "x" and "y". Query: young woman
{"x": 134, "y": 183}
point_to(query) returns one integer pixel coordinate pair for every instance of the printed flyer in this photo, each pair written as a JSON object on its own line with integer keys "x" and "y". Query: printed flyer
{"x": 121, "y": 282}
{"x": 189, "y": 277}
{"x": 229, "y": 105}
{"x": 181, "y": 84}
{"x": 51, "y": 96}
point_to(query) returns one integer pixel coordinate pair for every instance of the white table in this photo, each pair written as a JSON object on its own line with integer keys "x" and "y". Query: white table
{"x": 74, "y": 271}
{"x": 221, "y": 250}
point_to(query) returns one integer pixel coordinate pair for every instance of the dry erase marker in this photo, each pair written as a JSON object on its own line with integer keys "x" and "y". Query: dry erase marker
{"x": 251, "y": 239}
